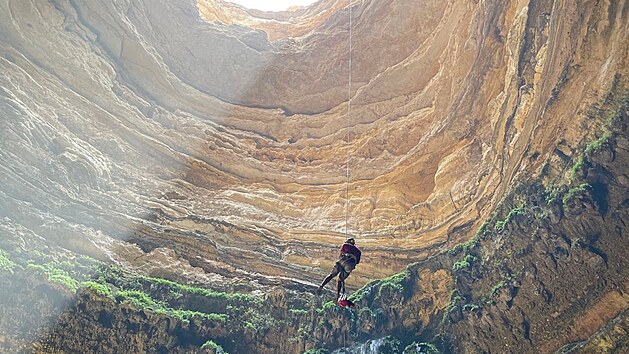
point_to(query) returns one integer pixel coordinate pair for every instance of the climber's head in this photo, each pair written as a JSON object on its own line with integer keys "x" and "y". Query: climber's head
{"x": 350, "y": 241}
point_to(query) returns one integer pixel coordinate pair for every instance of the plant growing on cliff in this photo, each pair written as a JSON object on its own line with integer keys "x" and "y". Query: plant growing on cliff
{"x": 494, "y": 290}
{"x": 470, "y": 244}
{"x": 6, "y": 264}
{"x": 98, "y": 288}
{"x": 298, "y": 312}
{"x": 466, "y": 262}
{"x": 455, "y": 300}
{"x": 326, "y": 307}
{"x": 175, "y": 296}
{"x": 363, "y": 292}
{"x": 259, "y": 322}
{"x": 138, "y": 299}
{"x": 141, "y": 300}
{"x": 471, "y": 307}
{"x": 573, "y": 192}
{"x": 178, "y": 288}
{"x": 501, "y": 224}
{"x": 597, "y": 144}
{"x": 576, "y": 169}
{"x": 615, "y": 106}
{"x": 552, "y": 192}
{"x": 394, "y": 283}
{"x": 213, "y": 347}
{"x": 481, "y": 230}
{"x": 55, "y": 275}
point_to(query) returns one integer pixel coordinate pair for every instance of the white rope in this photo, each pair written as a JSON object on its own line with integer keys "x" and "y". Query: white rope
{"x": 349, "y": 111}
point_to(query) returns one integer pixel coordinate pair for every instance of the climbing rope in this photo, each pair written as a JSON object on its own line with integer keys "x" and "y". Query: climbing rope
{"x": 349, "y": 112}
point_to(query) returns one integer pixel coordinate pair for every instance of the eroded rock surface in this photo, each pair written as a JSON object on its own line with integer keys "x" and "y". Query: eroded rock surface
{"x": 133, "y": 121}
{"x": 208, "y": 143}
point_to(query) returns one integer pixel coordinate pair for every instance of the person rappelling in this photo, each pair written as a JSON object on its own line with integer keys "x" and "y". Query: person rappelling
{"x": 348, "y": 259}
{"x": 350, "y": 254}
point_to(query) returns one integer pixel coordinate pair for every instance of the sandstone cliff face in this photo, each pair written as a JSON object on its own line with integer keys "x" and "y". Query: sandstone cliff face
{"x": 546, "y": 273}
{"x": 136, "y": 122}
{"x": 204, "y": 142}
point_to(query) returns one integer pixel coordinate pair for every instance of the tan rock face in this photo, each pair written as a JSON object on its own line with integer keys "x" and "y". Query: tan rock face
{"x": 223, "y": 134}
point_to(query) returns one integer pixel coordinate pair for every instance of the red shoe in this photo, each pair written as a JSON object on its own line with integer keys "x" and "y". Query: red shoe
{"x": 346, "y": 303}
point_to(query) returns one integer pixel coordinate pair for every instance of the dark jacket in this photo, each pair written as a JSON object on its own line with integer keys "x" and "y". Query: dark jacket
{"x": 348, "y": 248}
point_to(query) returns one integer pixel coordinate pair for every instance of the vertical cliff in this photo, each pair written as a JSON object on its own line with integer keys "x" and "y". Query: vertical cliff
{"x": 173, "y": 175}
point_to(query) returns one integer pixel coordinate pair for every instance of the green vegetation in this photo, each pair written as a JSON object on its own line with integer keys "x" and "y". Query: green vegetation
{"x": 168, "y": 289}
{"x": 259, "y": 322}
{"x": 552, "y": 192}
{"x": 609, "y": 113}
{"x": 181, "y": 301}
{"x": 520, "y": 210}
{"x": 55, "y": 275}
{"x": 597, "y": 144}
{"x": 298, "y": 312}
{"x": 466, "y": 262}
{"x": 98, "y": 288}
{"x": 155, "y": 295}
{"x": 481, "y": 230}
{"x": 470, "y": 307}
{"x": 6, "y": 264}
{"x": 572, "y": 192}
{"x": 577, "y": 167}
{"x": 494, "y": 290}
{"x": 141, "y": 300}
{"x": 363, "y": 292}
{"x": 560, "y": 185}
{"x": 178, "y": 288}
{"x": 395, "y": 282}
{"x": 501, "y": 224}
{"x": 455, "y": 299}
{"x": 614, "y": 107}
{"x": 213, "y": 346}
{"x": 470, "y": 244}
{"x": 615, "y": 115}
{"x": 138, "y": 299}
{"x": 326, "y": 307}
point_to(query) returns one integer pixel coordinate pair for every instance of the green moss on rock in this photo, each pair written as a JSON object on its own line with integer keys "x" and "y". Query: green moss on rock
{"x": 6, "y": 264}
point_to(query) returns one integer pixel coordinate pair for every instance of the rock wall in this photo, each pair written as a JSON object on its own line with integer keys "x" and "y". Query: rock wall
{"x": 181, "y": 140}
{"x": 546, "y": 273}
{"x": 211, "y": 141}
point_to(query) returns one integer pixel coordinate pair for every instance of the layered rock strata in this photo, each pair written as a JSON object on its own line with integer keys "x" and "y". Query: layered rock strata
{"x": 200, "y": 147}
{"x": 546, "y": 273}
